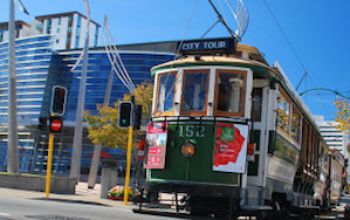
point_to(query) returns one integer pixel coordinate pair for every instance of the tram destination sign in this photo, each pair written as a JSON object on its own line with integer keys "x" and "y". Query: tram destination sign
{"x": 207, "y": 46}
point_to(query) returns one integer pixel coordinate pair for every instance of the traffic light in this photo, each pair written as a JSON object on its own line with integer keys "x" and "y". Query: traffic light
{"x": 42, "y": 123}
{"x": 126, "y": 110}
{"x": 56, "y": 124}
{"x": 138, "y": 117}
{"x": 58, "y": 102}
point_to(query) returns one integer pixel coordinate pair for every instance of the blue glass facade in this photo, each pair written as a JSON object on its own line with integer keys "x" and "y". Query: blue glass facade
{"x": 33, "y": 58}
{"x": 39, "y": 68}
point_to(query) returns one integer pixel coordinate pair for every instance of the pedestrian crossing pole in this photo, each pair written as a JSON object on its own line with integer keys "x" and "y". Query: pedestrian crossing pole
{"x": 57, "y": 109}
{"x": 126, "y": 120}
{"x": 49, "y": 165}
{"x": 128, "y": 166}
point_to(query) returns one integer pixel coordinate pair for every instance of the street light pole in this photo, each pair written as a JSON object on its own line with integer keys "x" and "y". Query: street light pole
{"x": 78, "y": 129}
{"x": 97, "y": 149}
{"x": 12, "y": 147}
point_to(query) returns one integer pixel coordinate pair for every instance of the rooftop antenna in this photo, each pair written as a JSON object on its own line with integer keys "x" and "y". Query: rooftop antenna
{"x": 240, "y": 15}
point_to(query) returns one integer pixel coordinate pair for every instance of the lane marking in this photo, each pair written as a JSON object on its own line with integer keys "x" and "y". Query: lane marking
{"x": 4, "y": 214}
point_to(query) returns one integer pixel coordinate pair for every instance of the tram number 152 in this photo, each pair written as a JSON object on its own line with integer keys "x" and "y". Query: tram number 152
{"x": 192, "y": 131}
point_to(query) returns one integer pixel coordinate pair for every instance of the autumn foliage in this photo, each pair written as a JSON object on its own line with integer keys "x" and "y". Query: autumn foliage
{"x": 343, "y": 114}
{"x": 103, "y": 128}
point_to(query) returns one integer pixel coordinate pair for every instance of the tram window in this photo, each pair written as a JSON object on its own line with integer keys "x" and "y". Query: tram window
{"x": 283, "y": 113}
{"x": 295, "y": 126}
{"x": 195, "y": 91}
{"x": 230, "y": 92}
{"x": 166, "y": 90}
{"x": 257, "y": 104}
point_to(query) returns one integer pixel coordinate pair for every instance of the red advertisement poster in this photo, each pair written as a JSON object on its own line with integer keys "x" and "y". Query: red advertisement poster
{"x": 156, "y": 138}
{"x": 230, "y": 147}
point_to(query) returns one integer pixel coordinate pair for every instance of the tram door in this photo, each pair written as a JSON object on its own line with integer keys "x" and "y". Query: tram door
{"x": 259, "y": 116}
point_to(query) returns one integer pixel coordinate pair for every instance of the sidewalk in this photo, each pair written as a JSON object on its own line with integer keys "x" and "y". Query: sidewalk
{"x": 83, "y": 195}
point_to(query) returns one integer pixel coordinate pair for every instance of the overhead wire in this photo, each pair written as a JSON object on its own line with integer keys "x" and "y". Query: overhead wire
{"x": 115, "y": 59}
{"x": 110, "y": 57}
{"x": 119, "y": 60}
{"x": 289, "y": 42}
{"x": 291, "y": 46}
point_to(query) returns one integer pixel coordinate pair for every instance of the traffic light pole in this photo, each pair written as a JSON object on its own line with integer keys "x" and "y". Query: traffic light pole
{"x": 128, "y": 166}
{"x": 49, "y": 165}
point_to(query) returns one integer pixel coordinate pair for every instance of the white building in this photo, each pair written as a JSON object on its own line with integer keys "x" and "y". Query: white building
{"x": 334, "y": 138}
{"x": 68, "y": 29}
{"x": 23, "y": 29}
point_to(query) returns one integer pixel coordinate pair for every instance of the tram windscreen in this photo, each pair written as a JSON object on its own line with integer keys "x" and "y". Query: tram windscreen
{"x": 195, "y": 91}
{"x": 231, "y": 93}
{"x": 166, "y": 89}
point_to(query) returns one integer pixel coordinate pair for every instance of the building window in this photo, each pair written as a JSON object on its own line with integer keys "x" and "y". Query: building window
{"x": 48, "y": 26}
{"x": 59, "y": 21}
{"x": 18, "y": 31}
{"x": 195, "y": 87}
{"x": 58, "y": 30}
{"x": 1, "y": 35}
{"x": 57, "y": 41}
{"x": 77, "y": 35}
{"x": 96, "y": 36}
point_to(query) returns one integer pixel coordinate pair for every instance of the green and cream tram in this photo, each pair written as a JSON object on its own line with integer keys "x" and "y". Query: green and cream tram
{"x": 229, "y": 131}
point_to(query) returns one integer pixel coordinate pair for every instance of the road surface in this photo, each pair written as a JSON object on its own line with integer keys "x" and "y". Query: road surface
{"x": 33, "y": 209}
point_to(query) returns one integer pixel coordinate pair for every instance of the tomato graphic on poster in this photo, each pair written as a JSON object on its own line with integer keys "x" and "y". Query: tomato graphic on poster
{"x": 230, "y": 147}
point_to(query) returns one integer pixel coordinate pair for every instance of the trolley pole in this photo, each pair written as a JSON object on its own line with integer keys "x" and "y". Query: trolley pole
{"x": 49, "y": 165}
{"x": 128, "y": 165}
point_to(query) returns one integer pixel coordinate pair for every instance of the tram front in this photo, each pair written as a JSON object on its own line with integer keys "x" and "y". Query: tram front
{"x": 198, "y": 137}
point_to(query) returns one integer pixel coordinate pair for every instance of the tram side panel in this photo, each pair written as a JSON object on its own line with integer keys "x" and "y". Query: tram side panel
{"x": 293, "y": 153}
{"x": 336, "y": 176}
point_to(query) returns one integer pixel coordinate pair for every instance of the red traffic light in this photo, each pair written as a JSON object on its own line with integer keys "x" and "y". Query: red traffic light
{"x": 56, "y": 124}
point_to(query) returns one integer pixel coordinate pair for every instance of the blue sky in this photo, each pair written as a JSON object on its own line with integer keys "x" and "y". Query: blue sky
{"x": 318, "y": 29}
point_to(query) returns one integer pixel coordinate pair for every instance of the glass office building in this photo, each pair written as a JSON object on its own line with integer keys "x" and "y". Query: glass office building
{"x": 33, "y": 59}
{"x": 39, "y": 68}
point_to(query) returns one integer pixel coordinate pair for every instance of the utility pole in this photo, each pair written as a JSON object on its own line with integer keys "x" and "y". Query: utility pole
{"x": 97, "y": 149}
{"x": 12, "y": 147}
{"x": 78, "y": 130}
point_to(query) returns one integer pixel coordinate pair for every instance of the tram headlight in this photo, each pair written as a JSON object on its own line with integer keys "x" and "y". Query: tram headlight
{"x": 188, "y": 149}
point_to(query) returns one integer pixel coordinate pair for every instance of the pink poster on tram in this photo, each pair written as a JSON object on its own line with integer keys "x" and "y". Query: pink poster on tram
{"x": 156, "y": 138}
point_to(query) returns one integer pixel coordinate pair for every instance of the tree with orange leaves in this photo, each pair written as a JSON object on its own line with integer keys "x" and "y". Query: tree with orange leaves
{"x": 343, "y": 114}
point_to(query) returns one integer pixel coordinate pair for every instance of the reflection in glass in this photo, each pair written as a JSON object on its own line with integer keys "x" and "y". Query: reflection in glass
{"x": 295, "y": 126}
{"x": 195, "y": 91}
{"x": 282, "y": 113}
{"x": 230, "y": 92}
{"x": 166, "y": 92}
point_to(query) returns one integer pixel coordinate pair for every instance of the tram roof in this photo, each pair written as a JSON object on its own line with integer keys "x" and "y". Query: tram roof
{"x": 252, "y": 55}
